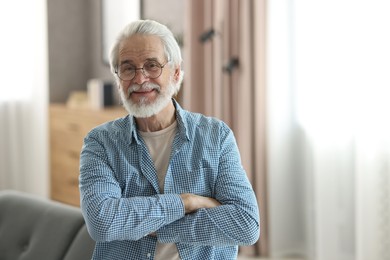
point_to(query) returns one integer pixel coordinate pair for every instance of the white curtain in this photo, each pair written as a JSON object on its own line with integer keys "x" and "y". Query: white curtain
{"x": 328, "y": 85}
{"x": 23, "y": 96}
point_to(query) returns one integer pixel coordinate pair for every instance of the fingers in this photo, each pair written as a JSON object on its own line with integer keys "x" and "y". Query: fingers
{"x": 194, "y": 202}
{"x": 209, "y": 202}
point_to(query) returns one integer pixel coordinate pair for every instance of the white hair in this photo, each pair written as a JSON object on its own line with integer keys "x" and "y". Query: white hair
{"x": 149, "y": 27}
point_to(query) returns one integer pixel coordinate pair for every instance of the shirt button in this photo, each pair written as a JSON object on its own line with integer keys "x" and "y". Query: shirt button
{"x": 149, "y": 255}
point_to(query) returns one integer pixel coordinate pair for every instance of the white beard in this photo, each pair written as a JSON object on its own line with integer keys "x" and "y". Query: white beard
{"x": 145, "y": 108}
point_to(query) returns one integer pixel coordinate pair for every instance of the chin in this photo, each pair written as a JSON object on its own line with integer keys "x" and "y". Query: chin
{"x": 145, "y": 108}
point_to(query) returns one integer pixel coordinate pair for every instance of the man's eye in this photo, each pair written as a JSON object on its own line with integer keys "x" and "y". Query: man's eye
{"x": 151, "y": 65}
{"x": 127, "y": 68}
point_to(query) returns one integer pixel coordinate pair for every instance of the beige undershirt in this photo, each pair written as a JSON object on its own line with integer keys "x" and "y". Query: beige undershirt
{"x": 160, "y": 145}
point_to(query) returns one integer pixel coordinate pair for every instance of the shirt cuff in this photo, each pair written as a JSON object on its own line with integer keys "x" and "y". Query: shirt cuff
{"x": 168, "y": 234}
{"x": 173, "y": 206}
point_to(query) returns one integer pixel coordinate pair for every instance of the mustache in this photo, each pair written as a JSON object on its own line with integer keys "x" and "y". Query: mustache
{"x": 147, "y": 86}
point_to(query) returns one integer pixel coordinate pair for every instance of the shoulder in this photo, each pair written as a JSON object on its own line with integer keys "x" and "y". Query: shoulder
{"x": 204, "y": 127}
{"x": 201, "y": 120}
{"x": 118, "y": 124}
{"x": 112, "y": 129}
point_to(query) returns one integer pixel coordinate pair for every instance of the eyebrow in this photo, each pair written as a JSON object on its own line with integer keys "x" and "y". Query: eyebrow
{"x": 132, "y": 62}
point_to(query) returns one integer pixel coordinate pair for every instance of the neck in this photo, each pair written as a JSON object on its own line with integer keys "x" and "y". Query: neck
{"x": 157, "y": 122}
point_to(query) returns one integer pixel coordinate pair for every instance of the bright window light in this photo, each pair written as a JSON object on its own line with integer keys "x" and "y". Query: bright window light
{"x": 17, "y": 49}
{"x": 342, "y": 68}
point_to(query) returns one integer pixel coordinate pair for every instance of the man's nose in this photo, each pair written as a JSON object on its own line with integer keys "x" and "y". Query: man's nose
{"x": 139, "y": 77}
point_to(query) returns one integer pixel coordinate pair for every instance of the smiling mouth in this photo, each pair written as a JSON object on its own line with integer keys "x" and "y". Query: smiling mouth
{"x": 141, "y": 92}
{"x": 143, "y": 89}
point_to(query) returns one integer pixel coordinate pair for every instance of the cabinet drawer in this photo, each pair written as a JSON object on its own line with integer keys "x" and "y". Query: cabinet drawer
{"x": 72, "y": 126}
{"x": 68, "y": 128}
{"x": 65, "y": 178}
{"x": 65, "y": 186}
{"x": 70, "y": 143}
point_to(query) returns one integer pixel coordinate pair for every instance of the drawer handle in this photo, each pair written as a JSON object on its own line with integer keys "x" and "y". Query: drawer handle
{"x": 74, "y": 182}
{"x": 74, "y": 155}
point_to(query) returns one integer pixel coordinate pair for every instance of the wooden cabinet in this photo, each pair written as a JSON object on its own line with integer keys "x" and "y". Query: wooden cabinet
{"x": 68, "y": 127}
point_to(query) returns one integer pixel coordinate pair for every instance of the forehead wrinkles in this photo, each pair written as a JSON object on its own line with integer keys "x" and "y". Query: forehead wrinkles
{"x": 141, "y": 47}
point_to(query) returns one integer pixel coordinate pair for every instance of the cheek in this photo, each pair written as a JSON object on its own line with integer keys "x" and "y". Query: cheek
{"x": 165, "y": 81}
{"x": 124, "y": 86}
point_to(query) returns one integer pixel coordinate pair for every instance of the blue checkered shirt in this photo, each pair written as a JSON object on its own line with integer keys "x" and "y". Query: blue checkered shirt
{"x": 122, "y": 204}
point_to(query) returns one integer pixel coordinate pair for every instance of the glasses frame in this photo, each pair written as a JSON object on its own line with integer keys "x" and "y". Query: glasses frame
{"x": 142, "y": 70}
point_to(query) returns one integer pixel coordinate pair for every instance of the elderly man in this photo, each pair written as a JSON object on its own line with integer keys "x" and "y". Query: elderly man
{"x": 162, "y": 182}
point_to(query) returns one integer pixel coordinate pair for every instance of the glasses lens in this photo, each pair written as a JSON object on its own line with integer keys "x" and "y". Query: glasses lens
{"x": 126, "y": 72}
{"x": 152, "y": 69}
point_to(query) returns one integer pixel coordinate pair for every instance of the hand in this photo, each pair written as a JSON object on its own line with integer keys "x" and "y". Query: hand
{"x": 194, "y": 202}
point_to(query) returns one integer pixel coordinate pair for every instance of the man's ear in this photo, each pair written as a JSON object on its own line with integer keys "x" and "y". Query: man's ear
{"x": 176, "y": 75}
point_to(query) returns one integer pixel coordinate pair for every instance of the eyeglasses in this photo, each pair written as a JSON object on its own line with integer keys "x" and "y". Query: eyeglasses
{"x": 151, "y": 69}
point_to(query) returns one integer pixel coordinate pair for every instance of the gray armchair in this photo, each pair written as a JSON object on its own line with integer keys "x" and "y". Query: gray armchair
{"x": 33, "y": 228}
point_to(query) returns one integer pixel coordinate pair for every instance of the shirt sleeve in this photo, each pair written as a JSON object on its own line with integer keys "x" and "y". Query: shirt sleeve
{"x": 110, "y": 217}
{"x": 235, "y": 222}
